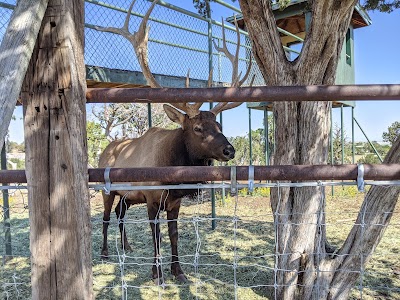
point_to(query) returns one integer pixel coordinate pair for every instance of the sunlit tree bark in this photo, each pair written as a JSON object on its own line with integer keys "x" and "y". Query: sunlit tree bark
{"x": 302, "y": 131}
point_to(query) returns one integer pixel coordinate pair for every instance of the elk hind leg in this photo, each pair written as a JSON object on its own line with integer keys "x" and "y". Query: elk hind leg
{"x": 120, "y": 211}
{"x": 108, "y": 201}
{"x": 153, "y": 213}
{"x": 176, "y": 269}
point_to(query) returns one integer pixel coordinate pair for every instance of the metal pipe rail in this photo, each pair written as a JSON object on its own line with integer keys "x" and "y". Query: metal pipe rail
{"x": 193, "y": 174}
{"x": 245, "y": 94}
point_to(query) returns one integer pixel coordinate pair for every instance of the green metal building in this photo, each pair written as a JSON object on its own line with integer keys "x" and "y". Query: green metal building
{"x": 295, "y": 19}
{"x": 292, "y": 24}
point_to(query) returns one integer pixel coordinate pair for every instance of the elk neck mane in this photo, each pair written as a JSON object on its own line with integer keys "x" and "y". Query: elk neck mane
{"x": 176, "y": 148}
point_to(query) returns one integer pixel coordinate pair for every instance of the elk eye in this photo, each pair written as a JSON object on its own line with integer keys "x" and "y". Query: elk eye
{"x": 198, "y": 129}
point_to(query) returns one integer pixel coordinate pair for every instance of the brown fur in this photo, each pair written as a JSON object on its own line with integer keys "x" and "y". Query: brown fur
{"x": 198, "y": 141}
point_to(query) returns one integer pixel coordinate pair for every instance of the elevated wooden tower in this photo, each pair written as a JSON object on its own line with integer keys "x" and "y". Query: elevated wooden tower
{"x": 295, "y": 19}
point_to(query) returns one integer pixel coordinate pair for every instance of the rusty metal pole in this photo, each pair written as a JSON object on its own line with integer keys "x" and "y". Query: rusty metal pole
{"x": 195, "y": 174}
{"x": 245, "y": 94}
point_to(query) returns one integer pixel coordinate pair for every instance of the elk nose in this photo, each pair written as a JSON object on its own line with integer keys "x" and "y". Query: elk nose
{"x": 229, "y": 151}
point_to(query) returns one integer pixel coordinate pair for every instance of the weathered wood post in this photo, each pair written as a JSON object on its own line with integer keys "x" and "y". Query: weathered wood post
{"x": 53, "y": 94}
{"x": 15, "y": 51}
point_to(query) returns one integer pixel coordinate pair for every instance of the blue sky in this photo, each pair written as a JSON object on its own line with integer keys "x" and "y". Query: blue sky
{"x": 376, "y": 61}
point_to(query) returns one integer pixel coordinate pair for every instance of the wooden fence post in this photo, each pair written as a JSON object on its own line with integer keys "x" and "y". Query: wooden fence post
{"x": 53, "y": 94}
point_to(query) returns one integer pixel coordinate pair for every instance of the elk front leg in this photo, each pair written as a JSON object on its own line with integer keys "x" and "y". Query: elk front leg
{"x": 176, "y": 269}
{"x": 155, "y": 230}
{"x": 108, "y": 201}
{"x": 120, "y": 210}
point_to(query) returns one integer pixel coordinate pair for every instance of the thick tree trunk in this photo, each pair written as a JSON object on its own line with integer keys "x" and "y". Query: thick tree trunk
{"x": 373, "y": 218}
{"x": 302, "y": 131}
{"x": 56, "y": 157}
{"x": 15, "y": 52}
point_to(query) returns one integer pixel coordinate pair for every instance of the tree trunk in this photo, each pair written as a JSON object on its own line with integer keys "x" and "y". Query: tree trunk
{"x": 302, "y": 131}
{"x": 373, "y": 218}
{"x": 56, "y": 157}
{"x": 15, "y": 52}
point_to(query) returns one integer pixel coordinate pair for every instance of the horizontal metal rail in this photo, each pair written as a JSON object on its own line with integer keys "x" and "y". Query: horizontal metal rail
{"x": 191, "y": 14}
{"x": 245, "y": 94}
{"x": 7, "y": 5}
{"x": 195, "y": 174}
{"x": 228, "y": 185}
{"x": 219, "y": 185}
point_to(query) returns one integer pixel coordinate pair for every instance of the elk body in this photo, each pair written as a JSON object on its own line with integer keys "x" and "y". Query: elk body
{"x": 198, "y": 141}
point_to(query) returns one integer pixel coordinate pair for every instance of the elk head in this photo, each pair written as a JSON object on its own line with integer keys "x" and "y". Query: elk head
{"x": 202, "y": 135}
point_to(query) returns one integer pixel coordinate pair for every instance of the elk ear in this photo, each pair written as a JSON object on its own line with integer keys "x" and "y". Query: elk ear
{"x": 174, "y": 114}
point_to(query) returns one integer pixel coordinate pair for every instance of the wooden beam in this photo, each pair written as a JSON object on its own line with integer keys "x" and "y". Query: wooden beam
{"x": 15, "y": 52}
{"x": 53, "y": 96}
{"x": 98, "y": 77}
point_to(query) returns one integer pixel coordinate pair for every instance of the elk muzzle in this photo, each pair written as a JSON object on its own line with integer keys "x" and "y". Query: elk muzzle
{"x": 229, "y": 152}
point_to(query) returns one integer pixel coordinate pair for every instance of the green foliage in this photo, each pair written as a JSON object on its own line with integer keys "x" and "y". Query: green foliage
{"x": 363, "y": 149}
{"x": 96, "y": 142}
{"x": 262, "y": 192}
{"x": 392, "y": 134}
{"x": 382, "y": 5}
{"x": 201, "y": 7}
{"x": 15, "y": 147}
{"x": 283, "y": 4}
{"x": 347, "y": 191}
{"x": 369, "y": 158}
{"x": 228, "y": 199}
{"x": 224, "y": 200}
{"x": 16, "y": 164}
{"x": 242, "y": 146}
{"x": 257, "y": 192}
{"x": 243, "y": 192}
{"x": 337, "y": 147}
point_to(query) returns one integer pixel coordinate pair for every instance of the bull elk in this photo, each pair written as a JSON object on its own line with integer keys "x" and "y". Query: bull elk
{"x": 197, "y": 142}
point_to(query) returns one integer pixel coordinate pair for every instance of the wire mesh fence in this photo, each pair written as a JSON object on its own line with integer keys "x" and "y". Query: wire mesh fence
{"x": 14, "y": 245}
{"x": 236, "y": 260}
{"x": 178, "y": 40}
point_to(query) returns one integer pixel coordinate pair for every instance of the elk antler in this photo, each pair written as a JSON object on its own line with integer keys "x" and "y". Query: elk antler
{"x": 139, "y": 41}
{"x": 191, "y": 110}
{"x": 234, "y": 59}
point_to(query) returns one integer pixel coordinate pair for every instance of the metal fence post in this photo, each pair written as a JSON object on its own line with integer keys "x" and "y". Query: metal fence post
{"x": 150, "y": 122}
{"x": 210, "y": 68}
{"x": 331, "y": 144}
{"x": 266, "y": 137}
{"x": 342, "y": 132}
{"x": 353, "y": 149}
{"x": 6, "y": 206}
{"x": 250, "y": 140}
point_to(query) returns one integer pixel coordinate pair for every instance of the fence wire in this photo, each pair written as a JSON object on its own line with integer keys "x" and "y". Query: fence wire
{"x": 178, "y": 42}
{"x": 237, "y": 260}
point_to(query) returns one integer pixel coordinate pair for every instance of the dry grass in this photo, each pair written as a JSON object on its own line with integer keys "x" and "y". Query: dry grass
{"x": 254, "y": 241}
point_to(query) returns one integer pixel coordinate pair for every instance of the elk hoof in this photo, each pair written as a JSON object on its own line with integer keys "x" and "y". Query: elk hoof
{"x": 158, "y": 281}
{"x": 181, "y": 278}
{"x": 104, "y": 254}
{"x": 127, "y": 248}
